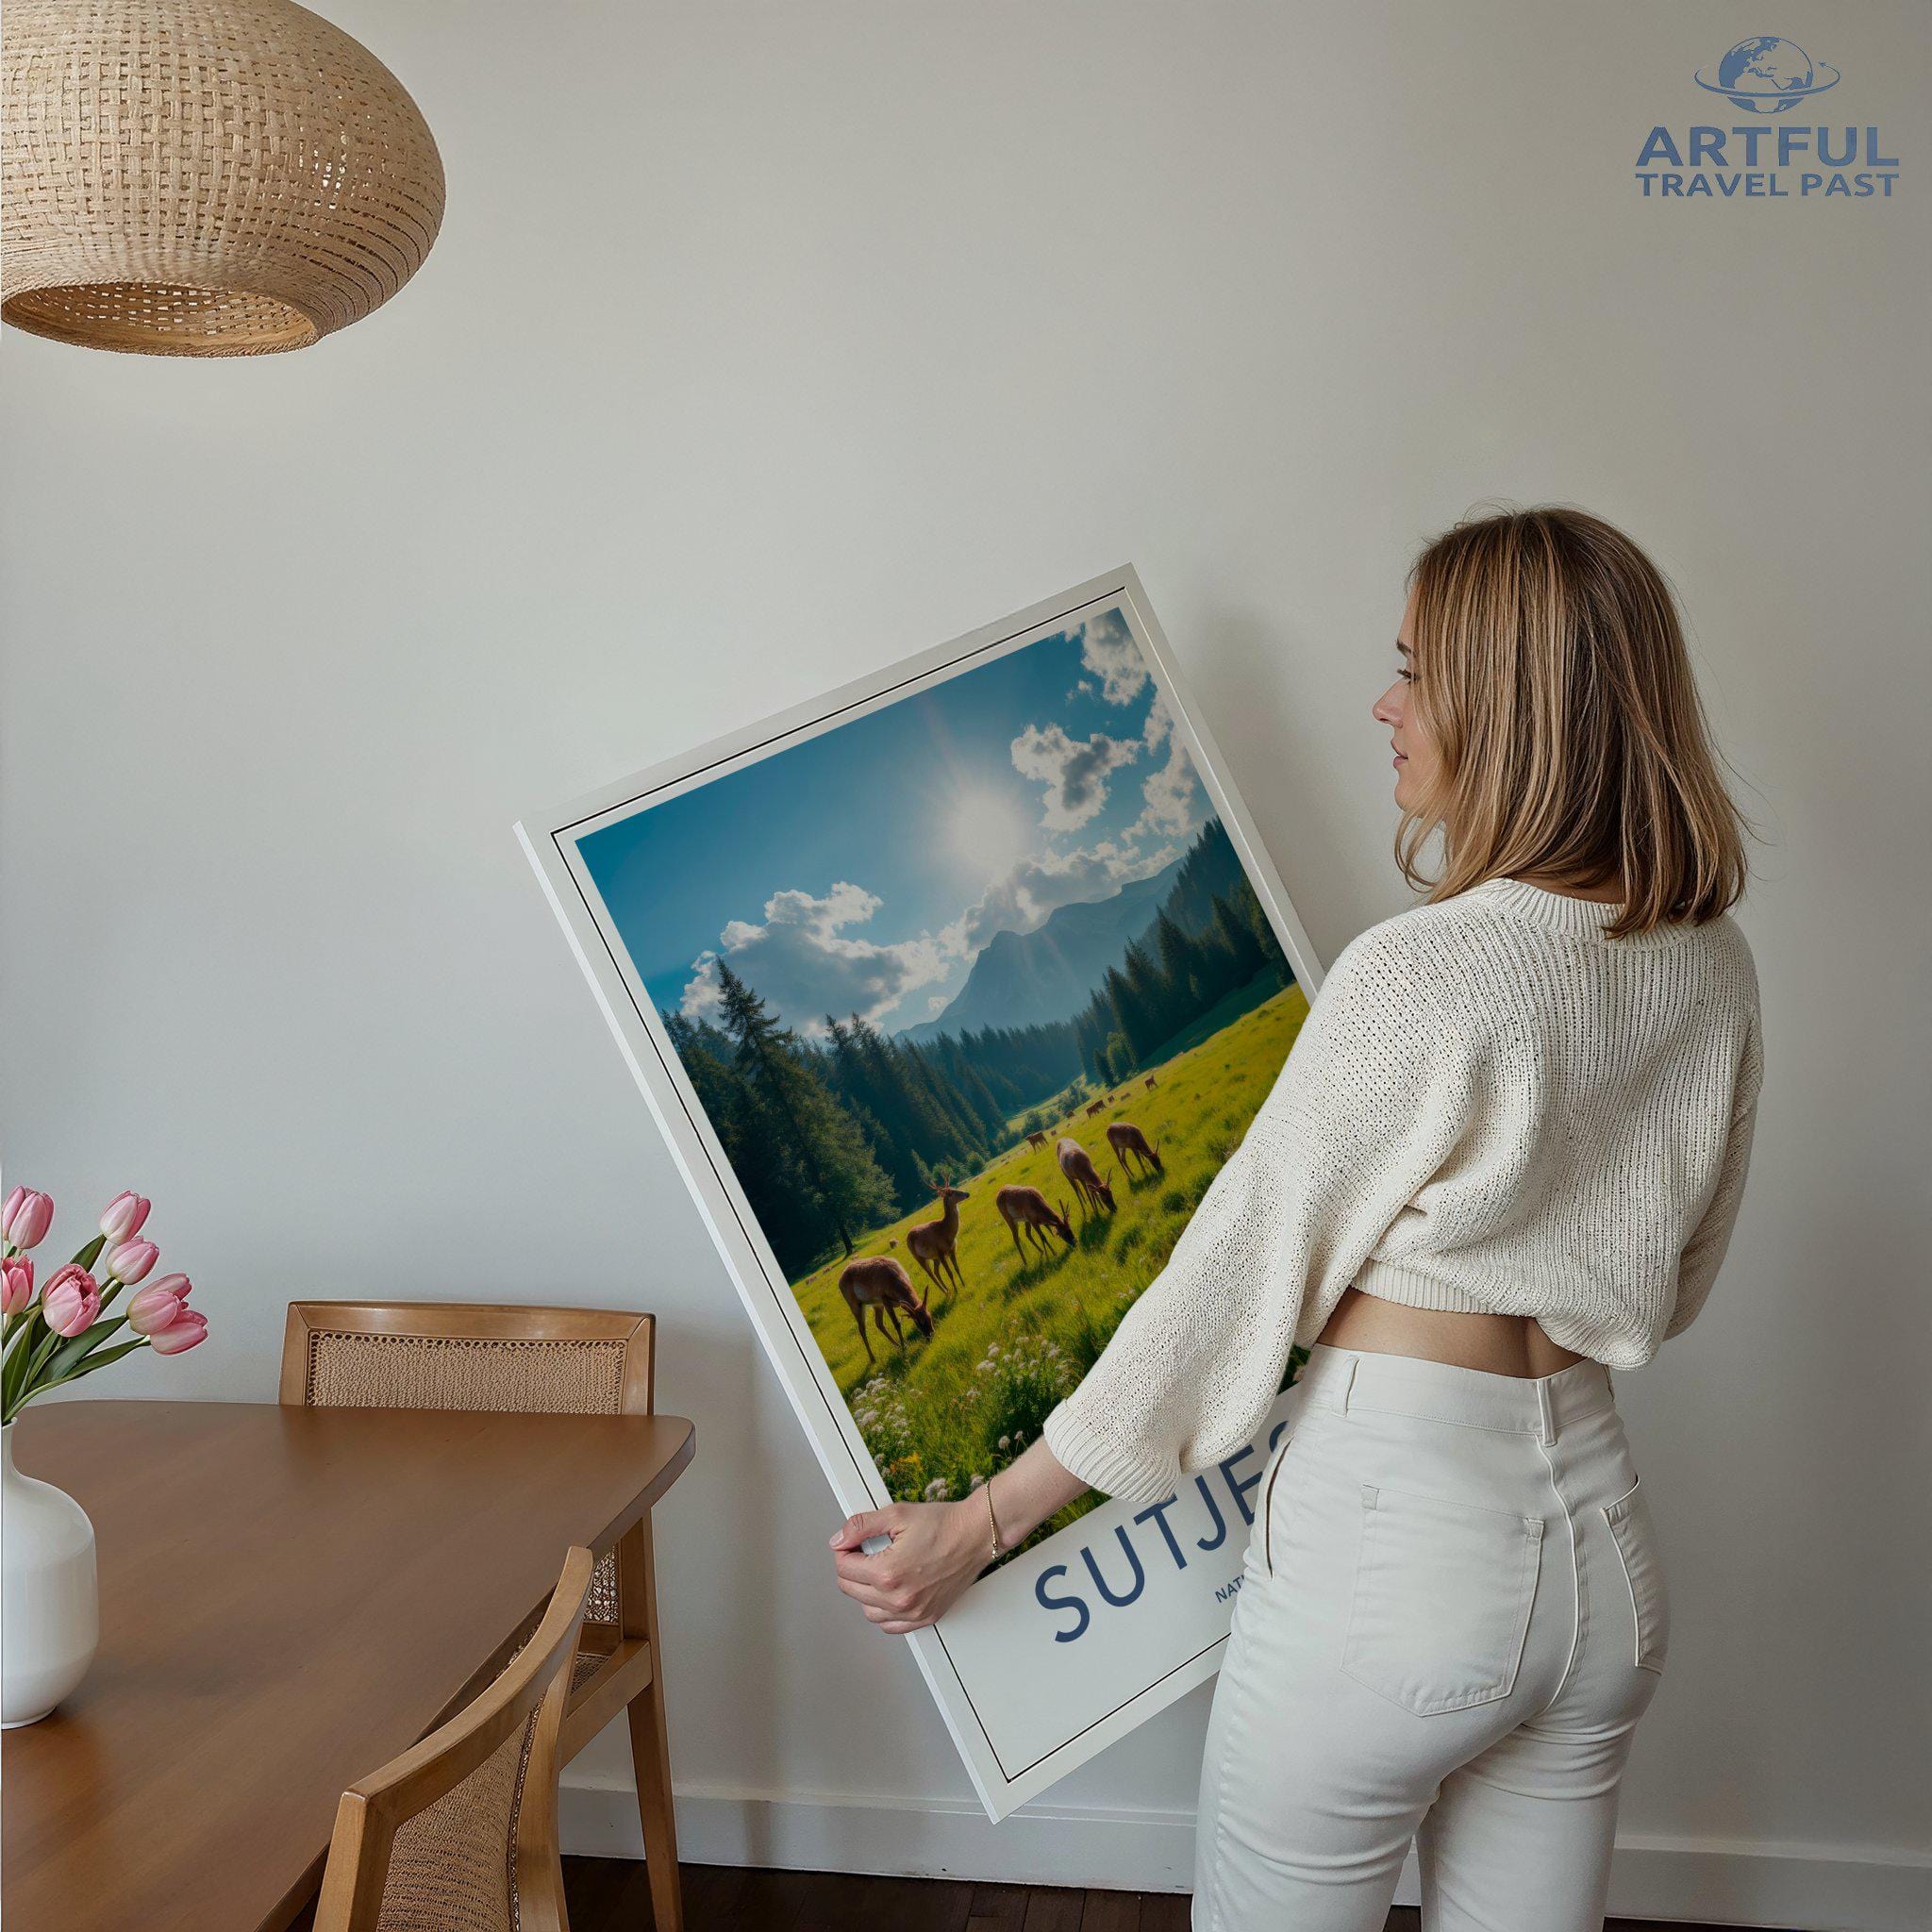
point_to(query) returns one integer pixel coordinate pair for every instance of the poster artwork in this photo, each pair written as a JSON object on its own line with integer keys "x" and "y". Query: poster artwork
{"x": 952, "y": 992}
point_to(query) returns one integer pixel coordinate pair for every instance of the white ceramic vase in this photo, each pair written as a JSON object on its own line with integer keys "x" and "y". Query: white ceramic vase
{"x": 49, "y": 1603}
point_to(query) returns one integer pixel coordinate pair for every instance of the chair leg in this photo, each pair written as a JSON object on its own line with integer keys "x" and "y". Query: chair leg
{"x": 650, "y": 1747}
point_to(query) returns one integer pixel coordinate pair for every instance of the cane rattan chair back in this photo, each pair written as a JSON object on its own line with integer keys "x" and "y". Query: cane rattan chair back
{"x": 532, "y": 1362}
{"x": 460, "y": 1833}
{"x": 466, "y": 1354}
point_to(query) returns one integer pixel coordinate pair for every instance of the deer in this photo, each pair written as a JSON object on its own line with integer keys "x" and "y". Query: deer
{"x": 1028, "y": 1208}
{"x": 881, "y": 1283}
{"x": 1036, "y": 1140}
{"x": 930, "y": 1243}
{"x": 1077, "y": 1165}
{"x": 1124, "y": 1138}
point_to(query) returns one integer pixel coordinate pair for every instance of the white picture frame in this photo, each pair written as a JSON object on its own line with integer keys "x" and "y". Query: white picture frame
{"x": 1026, "y": 1703}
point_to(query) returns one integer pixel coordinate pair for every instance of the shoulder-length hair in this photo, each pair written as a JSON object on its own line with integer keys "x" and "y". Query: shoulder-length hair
{"x": 1551, "y": 677}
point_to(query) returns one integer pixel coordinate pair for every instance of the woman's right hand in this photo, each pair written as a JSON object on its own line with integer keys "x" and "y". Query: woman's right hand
{"x": 936, "y": 1550}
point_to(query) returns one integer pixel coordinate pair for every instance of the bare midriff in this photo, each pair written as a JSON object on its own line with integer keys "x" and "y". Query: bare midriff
{"x": 1497, "y": 1344}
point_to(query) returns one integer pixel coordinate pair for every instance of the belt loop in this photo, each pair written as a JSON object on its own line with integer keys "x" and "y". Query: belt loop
{"x": 1348, "y": 1382}
{"x": 1547, "y": 1408}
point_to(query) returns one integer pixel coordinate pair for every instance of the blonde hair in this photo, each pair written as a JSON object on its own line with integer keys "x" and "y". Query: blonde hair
{"x": 1551, "y": 677}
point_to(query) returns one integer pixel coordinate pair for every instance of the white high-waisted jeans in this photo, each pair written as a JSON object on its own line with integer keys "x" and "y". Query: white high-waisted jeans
{"x": 1451, "y": 1618}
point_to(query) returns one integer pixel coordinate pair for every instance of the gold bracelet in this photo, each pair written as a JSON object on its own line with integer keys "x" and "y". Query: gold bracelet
{"x": 992, "y": 1520}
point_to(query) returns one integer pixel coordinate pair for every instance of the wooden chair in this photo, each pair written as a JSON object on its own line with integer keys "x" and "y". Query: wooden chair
{"x": 533, "y": 1361}
{"x": 460, "y": 1830}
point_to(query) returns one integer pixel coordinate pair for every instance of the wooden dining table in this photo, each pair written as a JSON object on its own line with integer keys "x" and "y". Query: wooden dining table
{"x": 289, "y": 1597}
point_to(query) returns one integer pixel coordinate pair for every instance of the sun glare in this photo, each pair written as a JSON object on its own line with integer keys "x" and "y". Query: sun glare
{"x": 988, "y": 830}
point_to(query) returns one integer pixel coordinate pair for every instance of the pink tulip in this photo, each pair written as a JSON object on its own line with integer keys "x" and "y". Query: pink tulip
{"x": 183, "y": 1335}
{"x": 156, "y": 1307}
{"x": 16, "y": 1284}
{"x": 129, "y": 1261}
{"x": 70, "y": 1301}
{"x": 26, "y": 1217}
{"x": 176, "y": 1285}
{"x": 121, "y": 1217}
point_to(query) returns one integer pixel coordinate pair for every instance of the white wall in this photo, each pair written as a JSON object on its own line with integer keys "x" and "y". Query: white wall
{"x": 763, "y": 346}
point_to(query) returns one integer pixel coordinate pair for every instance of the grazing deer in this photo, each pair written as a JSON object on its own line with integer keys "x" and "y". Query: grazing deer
{"x": 1077, "y": 1165}
{"x": 881, "y": 1283}
{"x": 1036, "y": 1140}
{"x": 930, "y": 1243}
{"x": 1098, "y": 1107}
{"x": 1124, "y": 1138}
{"x": 1029, "y": 1209}
{"x": 1150, "y": 1083}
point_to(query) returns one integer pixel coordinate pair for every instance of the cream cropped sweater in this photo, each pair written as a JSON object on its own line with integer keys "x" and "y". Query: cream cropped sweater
{"x": 1491, "y": 1106}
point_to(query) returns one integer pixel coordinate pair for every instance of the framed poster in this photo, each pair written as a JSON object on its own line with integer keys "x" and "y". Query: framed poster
{"x": 952, "y": 991}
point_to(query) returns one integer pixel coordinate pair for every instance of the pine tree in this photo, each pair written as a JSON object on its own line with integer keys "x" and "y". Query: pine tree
{"x": 754, "y": 1142}
{"x": 1244, "y": 950}
{"x": 874, "y": 1102}
{"x": 845, "y": 1182}
{"x": 1248, "y": 904}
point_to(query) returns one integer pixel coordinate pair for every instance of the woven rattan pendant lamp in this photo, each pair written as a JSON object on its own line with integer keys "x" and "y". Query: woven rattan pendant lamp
{"x": 203, "y": 177}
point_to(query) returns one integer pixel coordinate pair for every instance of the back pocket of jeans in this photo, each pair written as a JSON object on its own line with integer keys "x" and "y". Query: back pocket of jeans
{"x": 1636, "y": 1539}
{"x": 1443, "y": 1591}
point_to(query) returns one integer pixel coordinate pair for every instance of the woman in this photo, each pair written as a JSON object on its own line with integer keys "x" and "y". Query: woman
{"x": 1504, "y": 1158}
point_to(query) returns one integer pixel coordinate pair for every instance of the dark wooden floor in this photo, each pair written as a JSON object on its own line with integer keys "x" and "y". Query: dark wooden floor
{"x": 608, "y": 1895}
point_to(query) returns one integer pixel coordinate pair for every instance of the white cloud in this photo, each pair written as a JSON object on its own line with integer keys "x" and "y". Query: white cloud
{"x": 1109, "y": 651}
{"x": 802, "y": 962}
{"x": 1170, "y": 795}
{"x": 1040, "y": 884}
{"x": 1073, "y": 771}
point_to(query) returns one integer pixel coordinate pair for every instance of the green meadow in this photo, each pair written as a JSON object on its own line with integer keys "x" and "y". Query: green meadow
{"x": 945, "y": 1414}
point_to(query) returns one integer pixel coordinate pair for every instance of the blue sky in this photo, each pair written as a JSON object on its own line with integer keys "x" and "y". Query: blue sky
{"x": 863, "y": 869}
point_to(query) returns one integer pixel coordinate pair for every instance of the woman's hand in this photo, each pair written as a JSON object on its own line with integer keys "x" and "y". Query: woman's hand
{"x": 938, "y": 1549}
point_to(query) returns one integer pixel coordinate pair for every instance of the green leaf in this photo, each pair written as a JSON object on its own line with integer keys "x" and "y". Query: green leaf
{"x": 78, "y": 1347}
{"x": 99, "y": 1361}
{"x": 91, "y": 1253}
{"x": 27, "y": 1377}
{"x": 20, "y": 1336}
{"x": 21, "y": 1353}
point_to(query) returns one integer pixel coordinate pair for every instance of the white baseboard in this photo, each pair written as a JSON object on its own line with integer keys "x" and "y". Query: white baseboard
{"x": 1721, "y": 1882}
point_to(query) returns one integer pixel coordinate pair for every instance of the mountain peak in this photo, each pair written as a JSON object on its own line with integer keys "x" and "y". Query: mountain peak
{"x": 1034, "y": 978}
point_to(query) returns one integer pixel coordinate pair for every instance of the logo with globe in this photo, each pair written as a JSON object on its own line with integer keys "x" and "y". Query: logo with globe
{"x": 1766, "y": 74}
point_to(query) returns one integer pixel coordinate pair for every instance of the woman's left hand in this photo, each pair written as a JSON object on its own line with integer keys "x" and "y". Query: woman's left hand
{"x": 938, "y": 1549}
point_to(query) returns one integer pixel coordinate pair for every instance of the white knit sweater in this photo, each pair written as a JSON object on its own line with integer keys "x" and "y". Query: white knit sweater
{"x": 1491, "y": 1106}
